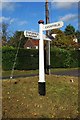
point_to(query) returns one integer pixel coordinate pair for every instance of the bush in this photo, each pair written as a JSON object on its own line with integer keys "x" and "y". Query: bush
{"x": 29, "y": 59}
{"x": 62, "y": 58}
{"x": 8, "y": 55}
{"x": 26, "y": 59}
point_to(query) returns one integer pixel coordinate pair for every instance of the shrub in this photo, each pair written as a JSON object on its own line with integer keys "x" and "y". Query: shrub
{"x": 64, "y": 58}
{"x": 26, "y": 59}
{"x": 29, "y": 59}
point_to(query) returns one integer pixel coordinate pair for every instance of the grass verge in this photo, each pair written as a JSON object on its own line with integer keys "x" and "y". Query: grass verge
{"x": 21, "y": 99}
{"x": 26, "y": 72}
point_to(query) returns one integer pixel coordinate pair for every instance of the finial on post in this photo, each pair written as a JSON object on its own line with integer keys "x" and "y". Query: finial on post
{"x": 41, "y": 21}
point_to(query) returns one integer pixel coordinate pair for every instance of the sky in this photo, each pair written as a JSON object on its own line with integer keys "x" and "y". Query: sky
{"x": 25, "y": 15}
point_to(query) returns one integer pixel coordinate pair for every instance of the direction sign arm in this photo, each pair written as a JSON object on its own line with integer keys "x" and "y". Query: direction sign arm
{"x": 52, "y": 26}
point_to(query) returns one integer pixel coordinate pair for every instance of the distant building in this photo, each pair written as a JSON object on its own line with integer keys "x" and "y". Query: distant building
{"x": 31, "y": 44}
{"x": 75, "y": 39}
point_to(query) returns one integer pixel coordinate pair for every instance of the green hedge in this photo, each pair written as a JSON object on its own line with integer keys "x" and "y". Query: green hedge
{"x": 62, "y": 58}
{"x": 26, "y": 59}
{"x": 29, "y": 59}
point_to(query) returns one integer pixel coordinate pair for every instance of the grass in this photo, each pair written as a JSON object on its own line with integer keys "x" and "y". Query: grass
{"x": 63, "y": 69}
{"x": 26, "y": 72}
{"x": 21, "y": 98}
{"x": 19, "y": 72}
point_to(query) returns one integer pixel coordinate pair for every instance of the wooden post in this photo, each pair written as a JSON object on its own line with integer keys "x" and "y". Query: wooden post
{"x": 47, "y": 46}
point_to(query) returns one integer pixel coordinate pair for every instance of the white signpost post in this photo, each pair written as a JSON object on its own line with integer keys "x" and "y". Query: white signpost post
{"x": 41, "y": 36}
{"x": 41, "y": 82}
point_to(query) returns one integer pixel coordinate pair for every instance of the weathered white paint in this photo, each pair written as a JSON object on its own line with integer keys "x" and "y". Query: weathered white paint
{"x": 41, "y": 55}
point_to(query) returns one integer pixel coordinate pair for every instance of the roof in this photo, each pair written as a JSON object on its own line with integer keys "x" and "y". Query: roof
{"x": 35, "y": 42}
{"x": 31, "y": 43}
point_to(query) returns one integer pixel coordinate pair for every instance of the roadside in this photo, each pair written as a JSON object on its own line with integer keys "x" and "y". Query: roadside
{"x": 61, "y": 71}
{"x": 75, "y": 72}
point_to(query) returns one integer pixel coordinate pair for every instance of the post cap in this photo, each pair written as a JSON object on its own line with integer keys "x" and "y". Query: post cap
{"x": 41, "y": 21}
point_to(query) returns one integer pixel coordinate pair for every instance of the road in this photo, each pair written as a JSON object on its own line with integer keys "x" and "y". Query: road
{"x": 75, "y": 73}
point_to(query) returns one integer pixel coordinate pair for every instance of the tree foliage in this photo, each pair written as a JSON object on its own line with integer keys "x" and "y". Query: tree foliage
{"x": 65, "y": 39}
{"x": 61, "y": 40}
{"x": 4, "y": 33}
{"x": 78, "y": 35}
{"x": 69, "y": 30}
{"x": 16, "y": 39}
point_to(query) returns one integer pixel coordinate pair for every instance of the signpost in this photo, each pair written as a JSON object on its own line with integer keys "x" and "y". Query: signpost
{"x": 35, "y": 35}
{"x": 41, "y": 82}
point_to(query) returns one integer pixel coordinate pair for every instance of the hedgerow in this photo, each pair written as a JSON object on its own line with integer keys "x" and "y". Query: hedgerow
{"x": 29, "y": 59}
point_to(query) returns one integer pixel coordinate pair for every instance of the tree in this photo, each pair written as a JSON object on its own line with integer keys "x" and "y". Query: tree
{"x": 16, "y": 39}
{"x": 69, "y": 30}
{"x": 4, "y": 33}
{"x": 77, "y": 34}
{"x": 62, "y": 40}
{"x": 56, "y": 31}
